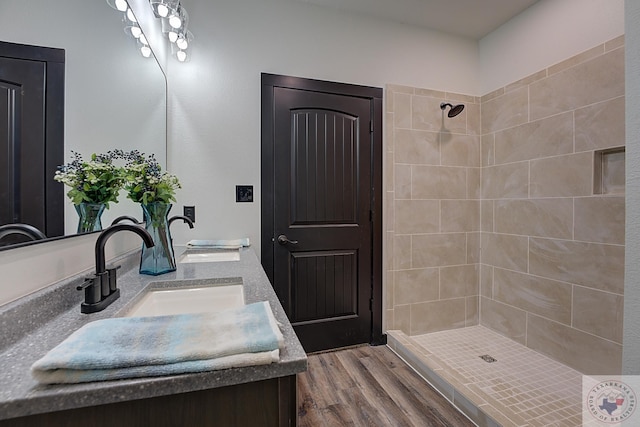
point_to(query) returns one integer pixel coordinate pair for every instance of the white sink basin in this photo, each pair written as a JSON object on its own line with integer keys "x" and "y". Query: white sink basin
{"x": 210, "y": 256}
{"x": 201, "y": 299}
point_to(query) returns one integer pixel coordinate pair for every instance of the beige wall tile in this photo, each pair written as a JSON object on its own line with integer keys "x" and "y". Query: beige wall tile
{"x": 486, "y": 215}
{"x": 417, "y": 216}
{"x": 492, "y": 95}
{"x": 401, "y": 252}
{"x": 614, "y": 43}
{"x": 438, "y": 182}
{"x": 535, "y": 217}
{"x": 459, "y": 281}
{"x": 526, "y": 81}
{"x": 389, "y": 246}
{"x": 543, "y": 138}
{"x": 577, "y": 59}
{"x": 402, "y": 318}
{"x": 562, "y": 176}
{"x": 426, "y": 113}
{"x": 402, "y": 182}
{"x": 504, "y": 250}
{"x": 433, "y": 250}
{"x": 600, "y": 219}
{"x": 595, "y": 265}
{"x": 487, "y": 149}
{"x": 389, "y": 287}
{"x": 473, "y": 248}
{"x": 486, "y": 280}
{"x": 401, "y": 110}
{"x": 460, "y": 150}
{"x": 473, "y": 119}
{"x": 389, "y": 208}
{"x": 600, "y": 125}
{"x": 592, "y": 81}
{"x": 400, "y": 88}
{"x": 473, "y": 183}
{"x": 412, "y": 286}
{"x": 506, "y": 181}
{"x": 437, "y": 316}
{"x": 388, "y": 320}
{"x": 581, "y": 351}
{"x": 509, "y": 321}
{"x": 547, "y": 298}
{"x": 388, "y": 132}
{"x": 599, "y": 313}
{"x": 430, "y": 92}
{"x": 416, "y": 147}
{"x": 505, "y": 111}
{"x": 460, "y": 215}
{"x": 473, "y": 311}
{"x": 389, "y": 171}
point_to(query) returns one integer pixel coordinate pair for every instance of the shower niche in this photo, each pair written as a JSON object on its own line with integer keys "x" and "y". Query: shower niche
{"x": 609, "y": 172}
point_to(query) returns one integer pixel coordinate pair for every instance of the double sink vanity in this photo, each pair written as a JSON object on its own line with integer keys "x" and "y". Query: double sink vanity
{"x": 262, "y": 395}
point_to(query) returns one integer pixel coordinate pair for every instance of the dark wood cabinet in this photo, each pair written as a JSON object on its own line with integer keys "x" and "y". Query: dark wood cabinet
{"x": 264, "y": 403}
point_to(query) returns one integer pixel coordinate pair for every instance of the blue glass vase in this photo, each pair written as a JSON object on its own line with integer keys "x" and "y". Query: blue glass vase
{"x": 89, "y": 217}
{"x": 158, "y": 259}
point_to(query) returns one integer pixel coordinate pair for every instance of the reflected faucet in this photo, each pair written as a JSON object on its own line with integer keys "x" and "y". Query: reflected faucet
{"x": 182, "y": 217}
{"x": 23, "y": 229}
{"x": 126, "y": 218}
{"x": 101, "y": 289}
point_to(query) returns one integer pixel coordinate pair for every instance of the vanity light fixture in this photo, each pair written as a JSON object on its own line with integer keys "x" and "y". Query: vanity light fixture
{"x": 175, "y": 20}
{"x": 131, "y": 26}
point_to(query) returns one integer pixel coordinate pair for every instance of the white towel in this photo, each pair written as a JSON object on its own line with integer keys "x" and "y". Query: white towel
{"x": 219, "y": 244}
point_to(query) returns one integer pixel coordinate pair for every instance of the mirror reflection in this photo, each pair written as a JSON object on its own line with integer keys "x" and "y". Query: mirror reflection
{"x": 114, "y": 98}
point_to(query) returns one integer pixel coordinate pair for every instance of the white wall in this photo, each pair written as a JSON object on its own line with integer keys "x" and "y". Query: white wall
{"x": 631, "y": 339}
{"x": 546, "y": 33}
{"x": 214, "y": 101}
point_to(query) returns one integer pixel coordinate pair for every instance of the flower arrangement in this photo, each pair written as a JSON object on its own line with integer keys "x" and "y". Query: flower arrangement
{"x": 144, "y": 180}
{"x": 96, "y": 181}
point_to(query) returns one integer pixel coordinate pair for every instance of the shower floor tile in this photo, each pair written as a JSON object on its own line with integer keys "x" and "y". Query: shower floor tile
{"x": 520, "y": 388}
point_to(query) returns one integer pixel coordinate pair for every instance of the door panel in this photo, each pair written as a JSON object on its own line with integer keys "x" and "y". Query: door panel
{"x": 323, "y": 202}
{"x": 22, "y": 143}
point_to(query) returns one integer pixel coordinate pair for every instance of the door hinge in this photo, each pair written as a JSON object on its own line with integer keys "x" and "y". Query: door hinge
{"x": 371, "y": 126}
{"x": 371, "y": 304}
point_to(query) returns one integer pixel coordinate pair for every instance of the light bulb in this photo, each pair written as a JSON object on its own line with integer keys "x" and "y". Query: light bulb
{"x": 173, "y": 36}
{"x": 146, "y": 51}
{"x": 130, "y": 16}
{"x": 175, "y": 21}
{"x": 121, "y": 5}
{"x": 143, "y": 40}
{"x": 182, "y": 43}
{"x": 163, "y": 10}
{"x": 136, "y": 31}
{"x": 181, "y": 55}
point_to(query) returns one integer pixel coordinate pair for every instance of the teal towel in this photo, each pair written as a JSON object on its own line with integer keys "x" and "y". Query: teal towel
{"x": 163, "y": 345}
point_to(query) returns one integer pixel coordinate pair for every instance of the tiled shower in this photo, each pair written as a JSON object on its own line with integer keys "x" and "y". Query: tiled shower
{"x": 510, "y": 216}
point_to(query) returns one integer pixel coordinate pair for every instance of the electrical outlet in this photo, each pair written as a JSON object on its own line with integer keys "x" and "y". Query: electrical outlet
{"x": 190, "y": 212}
{"x": 244, "y": 193}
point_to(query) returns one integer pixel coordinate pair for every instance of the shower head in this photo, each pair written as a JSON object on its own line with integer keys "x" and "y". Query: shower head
{"x": 455, "y": 110}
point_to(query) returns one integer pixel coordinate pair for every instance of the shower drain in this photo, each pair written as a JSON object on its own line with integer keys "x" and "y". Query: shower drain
{"x": 488, "y": 358}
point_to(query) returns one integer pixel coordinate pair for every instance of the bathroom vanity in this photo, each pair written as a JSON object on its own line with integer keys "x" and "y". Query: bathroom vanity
{"x": 262, "y": 395}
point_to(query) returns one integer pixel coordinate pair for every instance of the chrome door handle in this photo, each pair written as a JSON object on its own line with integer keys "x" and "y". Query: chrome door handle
{"x": 283, "y": 240}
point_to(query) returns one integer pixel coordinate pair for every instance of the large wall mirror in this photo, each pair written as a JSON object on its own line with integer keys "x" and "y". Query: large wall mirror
{"x": 114, "y": 97}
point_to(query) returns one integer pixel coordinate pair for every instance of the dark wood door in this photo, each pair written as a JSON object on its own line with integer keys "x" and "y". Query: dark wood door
{"x": 323, "y": 204}
{"x": 31, "y": 137}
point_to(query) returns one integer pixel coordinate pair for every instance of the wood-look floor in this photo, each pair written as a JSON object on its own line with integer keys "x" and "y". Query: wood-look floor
{"x": 369, "y": 386}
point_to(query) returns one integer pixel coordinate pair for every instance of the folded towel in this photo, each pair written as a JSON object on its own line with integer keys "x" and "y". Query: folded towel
{"x": 219, "y": 244}
{"x": 163, "y": 345}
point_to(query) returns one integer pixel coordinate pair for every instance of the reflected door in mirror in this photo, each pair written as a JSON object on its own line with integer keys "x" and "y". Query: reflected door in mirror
{"x": 30, "y": 138}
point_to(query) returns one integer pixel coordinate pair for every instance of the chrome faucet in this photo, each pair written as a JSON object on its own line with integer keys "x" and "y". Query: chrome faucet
{"x": 101, "y": 289}
{"x": 23, "y": 229}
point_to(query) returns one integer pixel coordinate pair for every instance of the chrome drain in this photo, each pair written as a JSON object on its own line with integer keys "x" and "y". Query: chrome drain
{"x": 488, "y": 358}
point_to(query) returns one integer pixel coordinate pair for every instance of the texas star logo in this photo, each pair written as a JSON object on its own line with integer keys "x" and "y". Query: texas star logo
{"x": 611, "y": 401}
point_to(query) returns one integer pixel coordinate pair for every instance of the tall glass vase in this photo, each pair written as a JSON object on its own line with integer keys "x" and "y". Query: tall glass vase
{"x": 90, "y": 217}
{"x": 158, "y": 259}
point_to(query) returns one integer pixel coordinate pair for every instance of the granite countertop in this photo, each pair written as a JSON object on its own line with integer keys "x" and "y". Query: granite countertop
{"x": 34, "y": 324}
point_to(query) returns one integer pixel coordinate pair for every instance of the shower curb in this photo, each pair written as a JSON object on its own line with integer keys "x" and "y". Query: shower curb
{"x": 473, "y": 406}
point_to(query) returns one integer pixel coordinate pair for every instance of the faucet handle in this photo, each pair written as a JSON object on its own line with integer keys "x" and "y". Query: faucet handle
{"x": 87, "y": 282}
{"x": 112, "y": 277}
{"x": 91, "y": 287}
